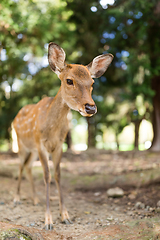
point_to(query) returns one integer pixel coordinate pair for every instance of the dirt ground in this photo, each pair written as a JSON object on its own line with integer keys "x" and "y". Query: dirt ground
{"x": 86, "y": 177}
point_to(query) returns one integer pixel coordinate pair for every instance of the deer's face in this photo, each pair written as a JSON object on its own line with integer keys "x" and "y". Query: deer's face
{"x": 76, "y": 88}
{"x": 76, "y": 80}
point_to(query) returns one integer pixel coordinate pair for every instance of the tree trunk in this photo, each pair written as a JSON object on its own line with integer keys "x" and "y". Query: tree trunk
{"x": 156, "y": 114}
{"x": 91, "y": 132}
{"x": 136, "y": 133}
{"x": 117, "y": 141}
{"x": 69, "y": 140}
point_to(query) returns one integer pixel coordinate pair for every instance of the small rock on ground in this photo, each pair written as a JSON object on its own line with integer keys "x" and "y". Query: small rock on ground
{"x": 115, "y": 192}
{"x": 139, "y": 205}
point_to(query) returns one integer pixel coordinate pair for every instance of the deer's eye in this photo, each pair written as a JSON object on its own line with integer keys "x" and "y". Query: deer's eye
{"x": 69, "y": 82}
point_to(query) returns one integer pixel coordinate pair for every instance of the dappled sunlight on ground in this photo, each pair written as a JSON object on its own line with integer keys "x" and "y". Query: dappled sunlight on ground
{"x": 86, "y": 177}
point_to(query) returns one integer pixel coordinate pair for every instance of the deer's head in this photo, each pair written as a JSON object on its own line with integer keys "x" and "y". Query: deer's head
{"x": 77, "y": 80}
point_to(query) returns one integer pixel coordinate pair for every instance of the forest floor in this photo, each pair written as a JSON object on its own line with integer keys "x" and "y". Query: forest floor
{"x": 86, "y": 177}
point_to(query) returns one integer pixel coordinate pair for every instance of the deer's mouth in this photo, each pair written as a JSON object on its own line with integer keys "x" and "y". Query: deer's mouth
{"x": 84, "y": 114}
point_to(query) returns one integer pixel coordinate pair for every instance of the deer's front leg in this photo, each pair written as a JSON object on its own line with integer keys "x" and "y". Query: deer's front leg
{"x": 56, "y": 155}
{"x": 47, "y": 179}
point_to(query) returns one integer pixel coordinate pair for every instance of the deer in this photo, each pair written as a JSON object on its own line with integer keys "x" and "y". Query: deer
{"x": 41, "y": 128}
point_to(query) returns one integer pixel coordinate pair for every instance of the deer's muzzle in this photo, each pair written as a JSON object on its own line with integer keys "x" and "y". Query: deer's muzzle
{"x": 90, "y": 109}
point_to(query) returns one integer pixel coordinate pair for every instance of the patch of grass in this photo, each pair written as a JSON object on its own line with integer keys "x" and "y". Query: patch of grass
{"x": 145, "y": 229}
{"x": 13, "y": 234}
{"x": 4, "y": 145}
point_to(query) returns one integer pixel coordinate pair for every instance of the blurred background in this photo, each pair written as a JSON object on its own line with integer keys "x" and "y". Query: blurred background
{"x": 127, "y": 95}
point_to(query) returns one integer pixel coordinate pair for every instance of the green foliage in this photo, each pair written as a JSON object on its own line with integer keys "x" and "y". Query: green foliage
{"x": 128, "y": 29}
{"x": 26, "y": 28}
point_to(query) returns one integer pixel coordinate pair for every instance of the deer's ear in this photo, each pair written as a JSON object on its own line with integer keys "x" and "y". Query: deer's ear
{"x": 99, "y": 65}
{"x": 56, "y": 58}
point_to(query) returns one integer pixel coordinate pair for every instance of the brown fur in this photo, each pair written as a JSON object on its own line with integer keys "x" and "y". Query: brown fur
{"x": 41, "y": 128}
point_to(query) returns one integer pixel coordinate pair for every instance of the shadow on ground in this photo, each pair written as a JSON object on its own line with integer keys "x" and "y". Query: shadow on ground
{"x": 86, "y": 177}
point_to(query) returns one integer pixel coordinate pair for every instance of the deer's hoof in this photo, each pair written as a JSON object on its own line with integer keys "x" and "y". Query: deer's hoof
{"x": 67, "y": 221}
{"x": 48, "y": 227}
{"x": 17, "y": 200}
{"x": 36, "y": 201}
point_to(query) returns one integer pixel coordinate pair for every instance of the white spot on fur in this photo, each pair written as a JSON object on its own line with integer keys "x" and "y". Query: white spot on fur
{"x": 14, "y": 140}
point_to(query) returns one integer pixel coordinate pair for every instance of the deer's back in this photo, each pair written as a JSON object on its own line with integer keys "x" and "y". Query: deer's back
{"x": 26, "y": 123}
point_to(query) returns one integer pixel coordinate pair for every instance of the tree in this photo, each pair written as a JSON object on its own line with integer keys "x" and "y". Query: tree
{"x": 130, "y": 31}
{"x": 156, "y": 114}
{"x": 26, "y": 28}
{"x": 87, "y": 36}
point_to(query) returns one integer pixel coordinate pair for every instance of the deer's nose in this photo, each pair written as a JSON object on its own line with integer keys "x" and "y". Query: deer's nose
{"x": 90, "y": 109}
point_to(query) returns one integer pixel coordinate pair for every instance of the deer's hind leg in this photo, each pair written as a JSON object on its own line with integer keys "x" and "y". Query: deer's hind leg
{"x": 23, "y": 156}
{"x": 28, "y": 166}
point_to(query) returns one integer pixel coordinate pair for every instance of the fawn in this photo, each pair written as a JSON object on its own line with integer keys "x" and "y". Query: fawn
{"x": 41, "y": 128}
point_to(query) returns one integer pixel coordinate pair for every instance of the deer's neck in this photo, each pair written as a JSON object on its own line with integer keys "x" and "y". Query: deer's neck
{"x": 57, "y": 110}
{"x": 53, "y": 124}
